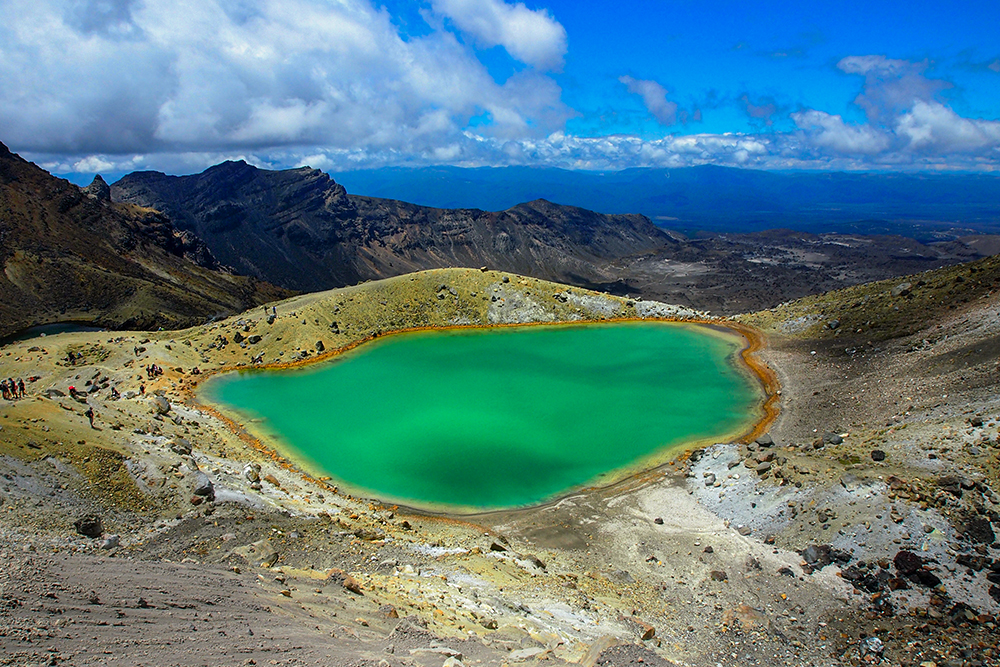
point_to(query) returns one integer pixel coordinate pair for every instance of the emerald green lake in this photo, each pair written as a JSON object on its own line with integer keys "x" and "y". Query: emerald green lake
{"x": 475, "y": 419}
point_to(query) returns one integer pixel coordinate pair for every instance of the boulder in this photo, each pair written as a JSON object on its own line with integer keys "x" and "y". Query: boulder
{"x": 160, "y": 404}
{"x": 907, "y": 562}
{"x": 254, "y": 339}
{"x": 319, "y": 346}
{"x": 203, "y": 486}
{"x": 89, "y": 526}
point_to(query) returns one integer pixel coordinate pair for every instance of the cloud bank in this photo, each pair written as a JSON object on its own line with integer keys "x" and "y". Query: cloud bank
{"x": 178, "y": 85}
{"x": 196, "y": 75}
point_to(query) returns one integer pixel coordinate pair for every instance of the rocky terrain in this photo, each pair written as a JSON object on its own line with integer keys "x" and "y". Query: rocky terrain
{"x": 70, "y": 254}
{"x": 860, "y": 529}
{"x": 300, "y": 229}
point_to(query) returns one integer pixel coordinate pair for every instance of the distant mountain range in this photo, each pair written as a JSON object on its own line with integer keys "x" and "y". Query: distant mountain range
{"x": 715, "y": 199}
{"x": 71, "y": 254}
{"x": 300, "y": 229}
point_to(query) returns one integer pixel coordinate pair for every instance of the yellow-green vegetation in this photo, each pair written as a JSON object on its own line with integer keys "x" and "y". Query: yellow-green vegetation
{"x": 881, "y": 310}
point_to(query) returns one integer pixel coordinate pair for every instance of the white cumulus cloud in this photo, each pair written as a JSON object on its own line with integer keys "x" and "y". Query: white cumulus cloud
{"x": 933, "y": 127}
{"x": 533, "y": 37}
{"x": 227, "y": 76}
{"x": 831, "y": 132}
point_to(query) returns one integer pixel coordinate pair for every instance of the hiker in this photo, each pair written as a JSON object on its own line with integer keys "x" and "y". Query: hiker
{"x": 4, "y": 391}
{"x": 90, "y": 415}
{"x": 20, "y": 388}
{"x": 274, "y": 310}
{"x": 114, "y": 394}
{"x": 142, "y": 390}
{"x": 72, "y": 391}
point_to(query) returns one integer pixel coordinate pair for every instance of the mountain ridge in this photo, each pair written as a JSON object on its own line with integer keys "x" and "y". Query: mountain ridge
{"x": 300, "y": 228}
{"x": 71, "y": 254}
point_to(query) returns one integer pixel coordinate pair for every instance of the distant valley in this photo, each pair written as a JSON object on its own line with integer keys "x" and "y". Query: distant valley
{"x": 716, "y": 199}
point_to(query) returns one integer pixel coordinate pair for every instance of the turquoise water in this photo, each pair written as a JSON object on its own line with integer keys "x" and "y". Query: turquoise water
{"x": 492, "y": 418}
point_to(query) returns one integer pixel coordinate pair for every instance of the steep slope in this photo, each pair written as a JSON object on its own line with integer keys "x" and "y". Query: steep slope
{"x": 301, "y": 229}
{"x": 70, "y": 254}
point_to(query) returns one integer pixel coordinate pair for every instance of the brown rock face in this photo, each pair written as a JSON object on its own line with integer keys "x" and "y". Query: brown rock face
{"x": 70, "y": 254}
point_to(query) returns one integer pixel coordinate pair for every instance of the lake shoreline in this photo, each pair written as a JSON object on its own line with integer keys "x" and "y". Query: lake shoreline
{"x": 645, "y": 467}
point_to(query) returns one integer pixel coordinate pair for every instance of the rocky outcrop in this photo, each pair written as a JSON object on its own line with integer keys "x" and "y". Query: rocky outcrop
{"x": 98, "y": 189}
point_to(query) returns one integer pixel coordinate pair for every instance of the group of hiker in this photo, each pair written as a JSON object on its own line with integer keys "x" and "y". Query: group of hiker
{"x": 153, "y": 371}
{"x": 12, "y": 390}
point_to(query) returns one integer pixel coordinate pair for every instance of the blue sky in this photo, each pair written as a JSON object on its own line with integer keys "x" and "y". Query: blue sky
{"x": 177, "y": 85}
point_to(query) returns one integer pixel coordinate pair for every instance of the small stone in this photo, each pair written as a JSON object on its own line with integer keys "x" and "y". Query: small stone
{"x": 871, "y": 650}
{"x": 743, "y": 530}
{"x": 658, "y": 521}
{"x": 180, "y": 446}
{"x": 646, "y": 631}
{"x": 878, "y": 455}
{"x": 718, "y": 575}
{"x": 902, "y": 289}
{"x": 763, "y": 467}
